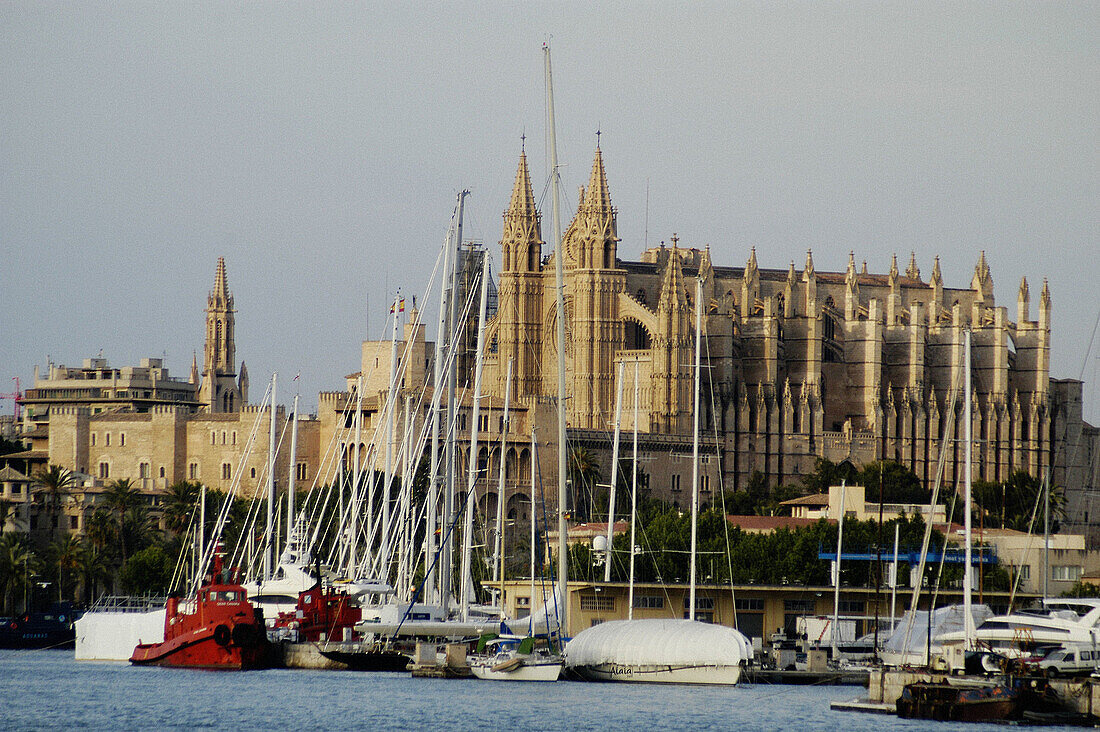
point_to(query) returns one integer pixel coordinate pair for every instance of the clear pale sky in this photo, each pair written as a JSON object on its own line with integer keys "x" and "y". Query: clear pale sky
{"x": 318, "y": 146}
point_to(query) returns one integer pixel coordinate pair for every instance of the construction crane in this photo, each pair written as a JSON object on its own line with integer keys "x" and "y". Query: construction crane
{"x": 16, "y": 398}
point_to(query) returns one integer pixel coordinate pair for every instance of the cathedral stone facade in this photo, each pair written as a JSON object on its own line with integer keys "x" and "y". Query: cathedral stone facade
{"x": 798, "y": 364}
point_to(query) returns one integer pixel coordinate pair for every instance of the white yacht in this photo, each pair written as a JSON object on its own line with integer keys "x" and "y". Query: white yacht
{"x": 1033, "y": 631}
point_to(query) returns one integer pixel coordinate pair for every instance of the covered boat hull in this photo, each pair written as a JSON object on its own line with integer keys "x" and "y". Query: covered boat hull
{"x": 654, "y": 674}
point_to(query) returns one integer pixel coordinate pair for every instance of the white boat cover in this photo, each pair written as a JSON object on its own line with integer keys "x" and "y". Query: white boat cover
{"x": 945, "y": 619}
{"x": 661, "y": 642}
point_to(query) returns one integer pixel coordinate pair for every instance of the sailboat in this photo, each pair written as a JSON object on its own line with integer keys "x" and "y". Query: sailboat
{"x": 670, "y": 650}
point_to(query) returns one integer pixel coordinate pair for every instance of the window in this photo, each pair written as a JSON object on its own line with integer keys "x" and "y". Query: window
{"x": 302, "y": 471}
{"x": 227, "y": 471}
{"x": 104, "y": 471}
{"x": 193, "y": 471}
{"x": 162, "y": 471}
{"x": 597, "y": 602}
{"x": 223, "y": 437}
{"x": 93, "y": 439}
{"x": 1023, "y": 571}
{"x": 213, "y": 438}
{"x": 483, "y": 422}
{"x": 1065, "y": 573}
{"x": 122, "y": 439}
{"x": 703, "y": 616}
{"x": 234, "y": 437}
{"x": 523, "y": 601}
{"x": 749, "y": 603}
{"x": 143, "y": 470}
{"x": 16, "y": 488}
{"x": 74, "y": 523}
{"x": 108, "y": 438}
{"x": 704, "y": 483}
{"x": 852, "y": 606}
{"x": 653, "y": 602}
{"x": 799, "y": 606}
{"x": 252, "y": 473}
{"x": 701, "y": 603}
{"x": 675, "y": 484}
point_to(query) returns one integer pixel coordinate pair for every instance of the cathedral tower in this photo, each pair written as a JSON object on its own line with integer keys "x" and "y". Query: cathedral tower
{"x": 595, "y": 286}
{"x": 520, "y": 287}
{"x": 220, "y": 391}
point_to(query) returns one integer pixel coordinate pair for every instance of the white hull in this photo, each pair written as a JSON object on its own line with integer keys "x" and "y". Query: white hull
{"x": 718, "y": 675}
{"x": 112, "y": 636}
{"x": 525, "y": 672}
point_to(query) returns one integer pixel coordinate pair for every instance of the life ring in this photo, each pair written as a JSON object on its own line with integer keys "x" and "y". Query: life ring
{"x": 243, "y": 634}
{"x": 222, "y": 635}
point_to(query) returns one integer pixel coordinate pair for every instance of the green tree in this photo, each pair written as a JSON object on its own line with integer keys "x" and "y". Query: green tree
{"x": 899, "y": 484}
{"x": 148, "y": 571}
{"x": 120, "y": 497}
{"x": 584, "y": 472}
{"x": 94, "y": 570}
{"x": 65, "y": 555}
{"x": 179, "y": 505}
{"x": 18, "y": 563}
{"x": 53, "y": 484}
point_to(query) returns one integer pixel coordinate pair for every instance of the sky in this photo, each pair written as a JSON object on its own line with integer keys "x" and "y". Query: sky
{"x": 318, "y": 147}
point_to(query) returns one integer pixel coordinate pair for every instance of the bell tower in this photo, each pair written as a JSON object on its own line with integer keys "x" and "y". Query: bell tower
{"x": 219, "y": 391}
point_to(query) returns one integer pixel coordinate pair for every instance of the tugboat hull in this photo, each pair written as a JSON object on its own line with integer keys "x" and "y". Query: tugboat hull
{"x": 202, "y": 650}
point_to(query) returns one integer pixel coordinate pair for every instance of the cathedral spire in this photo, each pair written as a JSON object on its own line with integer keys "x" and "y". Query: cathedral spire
{"x": 521, "y": 242}
{"x": 218, "y": 391}
{"x": 598, "y": 197}
{"x": 894, "y": 270}
{"x": 673, "y": 295}
{"x": 194, "y": 378}
{"x": 220, "y": 294}
{"x": 912, "y": 271}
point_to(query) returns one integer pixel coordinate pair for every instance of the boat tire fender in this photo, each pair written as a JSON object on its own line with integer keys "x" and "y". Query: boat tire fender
{"x": 243, "y": 634}
{"x": 222, "y": 635}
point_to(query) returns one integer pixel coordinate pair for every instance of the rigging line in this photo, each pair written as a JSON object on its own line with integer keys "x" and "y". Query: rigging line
{"x": 721, "y": 473}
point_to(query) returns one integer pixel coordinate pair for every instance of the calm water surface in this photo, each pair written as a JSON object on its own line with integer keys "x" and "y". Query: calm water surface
{"x": 49, "y": 690}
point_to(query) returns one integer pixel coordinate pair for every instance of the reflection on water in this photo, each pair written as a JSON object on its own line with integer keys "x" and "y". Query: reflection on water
{"x": 49, "y": 690}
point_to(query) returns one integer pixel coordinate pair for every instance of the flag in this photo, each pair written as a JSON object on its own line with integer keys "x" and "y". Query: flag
{"x": 297, "y": 376}
{"x": 398, "y": 306}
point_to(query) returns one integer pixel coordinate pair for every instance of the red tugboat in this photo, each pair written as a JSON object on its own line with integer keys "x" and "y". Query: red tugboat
{"x": 321, "y": 615}
{"x": 219, "y": 629}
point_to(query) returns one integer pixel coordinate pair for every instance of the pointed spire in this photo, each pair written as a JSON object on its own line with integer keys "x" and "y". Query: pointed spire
{"x": 523, "y": 197}
{"x": 221, "y": 282}
{"x": 792, "y": 278}
{"x": 850, "y": 275}
{"x": 982, "y": 281}
{"x": 1044, "y": 300}
{"x": 1025, "y": 292}
{"x": 194, "y": 378}
{"x": 673, "y": 295}
{"x": 809, "y": 271}
{"x": 912, "y": 271}
{"x": 1023, "y": 302}
{"x": 751, "y": 265}
{"x": 937, "y": 277}
{"x": 863, "y": 270}
{"x": 598, "y": 196}
{"x": 893, "y": 270}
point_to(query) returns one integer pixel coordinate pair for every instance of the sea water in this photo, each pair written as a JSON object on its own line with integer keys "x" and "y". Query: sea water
{"x": 50, "y": 690}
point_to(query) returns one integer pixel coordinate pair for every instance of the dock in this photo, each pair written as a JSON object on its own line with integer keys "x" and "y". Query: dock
{"x": 825, "y": 677}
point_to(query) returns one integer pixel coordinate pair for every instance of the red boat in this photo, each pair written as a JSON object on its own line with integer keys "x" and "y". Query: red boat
{"x": 321, "y": 615}
{"x": 219, "y": 629}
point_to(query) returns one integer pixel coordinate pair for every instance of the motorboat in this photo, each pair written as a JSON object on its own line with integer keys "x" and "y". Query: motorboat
{"x": 514, "y": 658}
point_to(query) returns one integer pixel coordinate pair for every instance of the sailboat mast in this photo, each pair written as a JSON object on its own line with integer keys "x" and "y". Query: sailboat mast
{"x": 387, "y": 482}
{"x": 357, "y": 476}
{"x": 498, "y": 551}
{"x": 447, "y": 556}
{"x": 292, "y": 477}
{"x": 968, "y": 574}
{"x": 836, "y": 569}
{"x": 472, "y": 461}
{"x": 431, "y": 506}
{"x": 614, "y": 474}
{"x": 695, "y": 444}
{"x": 270, "y": 487}
{"x": 531, "y": 515}
{"x": 633, "y": 498}
{"x": 894, "y": 578}
{"x": 559, "y": 288}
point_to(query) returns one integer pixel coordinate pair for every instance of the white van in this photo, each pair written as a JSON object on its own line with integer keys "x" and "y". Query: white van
{"x": 1073, "y": 661}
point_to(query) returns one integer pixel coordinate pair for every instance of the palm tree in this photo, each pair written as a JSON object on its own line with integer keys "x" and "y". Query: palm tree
{"x": 584, "y": 471}
{"x": 120, "y": 497}
{"x": 17, "y": 563}
{"x": 66, "y": 555}
{"x": 93, "y": 569}
{"x": 53, "y": 484}
{"x": 138, "y": 527}
{"x": 179, "y": 505}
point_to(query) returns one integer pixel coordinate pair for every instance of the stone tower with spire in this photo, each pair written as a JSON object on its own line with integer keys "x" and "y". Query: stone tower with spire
{"x": 594, "y": 285}
{"x": 220, "y": 391}
{"x": 520, "y": 287}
